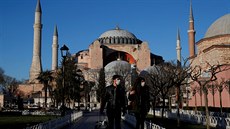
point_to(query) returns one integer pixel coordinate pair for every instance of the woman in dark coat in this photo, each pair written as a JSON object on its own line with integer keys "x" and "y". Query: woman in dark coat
{"x": 140, "y": 97}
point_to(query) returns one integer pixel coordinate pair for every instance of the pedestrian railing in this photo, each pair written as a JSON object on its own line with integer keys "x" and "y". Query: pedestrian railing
{"x": 196, "y": 118}
{"x": 58, "y": 123}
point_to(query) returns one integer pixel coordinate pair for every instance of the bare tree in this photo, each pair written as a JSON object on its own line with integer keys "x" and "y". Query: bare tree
{"x": 166, "y": 78}
{"x": 220, "y": 87}
{"x": 162, "y": 79}
{"x": 203, "y": 77}
{"x": 101, "y": 86}
{"x": 227, "y": 86}
{"x": 1, "y": 75}
{"x": 180, "y": 79}
{"x": 212, "y": 89}
{"x": 200, "y": 92}
{"x": 194, "y": 91}
{"x": 93, "y": 75}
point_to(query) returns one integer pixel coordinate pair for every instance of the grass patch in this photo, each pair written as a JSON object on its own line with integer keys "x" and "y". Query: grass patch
{"x": 20, "y": 122}
{"x": 172, "y": 124}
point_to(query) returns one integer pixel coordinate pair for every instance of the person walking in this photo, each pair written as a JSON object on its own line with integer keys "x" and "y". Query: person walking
{"x": 140, "y": 97}
{"x": 115, "y": 99}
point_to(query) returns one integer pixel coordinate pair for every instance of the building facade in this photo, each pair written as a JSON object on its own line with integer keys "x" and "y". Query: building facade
{"x": 113, "y": 45}
{"x": 213, "y": 49}
{"x": 119, "y": 44}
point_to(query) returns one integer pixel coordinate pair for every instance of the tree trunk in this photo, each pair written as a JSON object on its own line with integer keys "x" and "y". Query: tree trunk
{"x": 154, "y": 107}
{"x": 195, "y": 104}
{"x": 170, "y": 107}
{"x": 86, "y": 101}
{"x": 73, "y": 103}
{"x": 220, "y": 103}
{"x": 201, "y": 104}
{"x": 187, "y": 102}
{"x": 178, "y": 107}
{"x": 78, "y": 107}
{"x": 213, "y": 100}
{"x": 45, "y": 105}
{"x": 206, "y": 108}
{"x": 162, "y": 113}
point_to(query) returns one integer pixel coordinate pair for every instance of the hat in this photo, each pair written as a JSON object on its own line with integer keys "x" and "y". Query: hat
{"x": 116, "y": 76}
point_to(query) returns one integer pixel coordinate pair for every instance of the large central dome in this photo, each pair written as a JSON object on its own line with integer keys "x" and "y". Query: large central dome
{"x": 220, "y": 27}
{"x": 118, "y": 36}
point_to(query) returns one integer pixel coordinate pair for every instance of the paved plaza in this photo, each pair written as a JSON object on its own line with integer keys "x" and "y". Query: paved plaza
{"x": 89, "y": 120}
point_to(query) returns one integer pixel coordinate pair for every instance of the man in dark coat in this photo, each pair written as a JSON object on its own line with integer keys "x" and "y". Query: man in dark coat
{"x": 140, "y": 96}
{"x": 115, "y": 99}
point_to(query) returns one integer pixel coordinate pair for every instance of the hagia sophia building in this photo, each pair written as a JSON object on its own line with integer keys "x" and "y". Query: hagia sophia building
{"x": 121, "y": 45}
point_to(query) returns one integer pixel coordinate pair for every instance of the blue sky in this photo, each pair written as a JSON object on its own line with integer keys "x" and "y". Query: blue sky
{"x": 80, "y": 22}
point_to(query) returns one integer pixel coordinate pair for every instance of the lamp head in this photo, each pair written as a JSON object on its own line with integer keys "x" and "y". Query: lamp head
{"x": 64, "y": 51}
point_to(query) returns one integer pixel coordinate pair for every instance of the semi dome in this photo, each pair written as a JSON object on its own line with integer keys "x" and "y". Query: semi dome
{"x": 117, "y": 66}
{"x": 118, "y": 36}
{"x": 220, "y": 27}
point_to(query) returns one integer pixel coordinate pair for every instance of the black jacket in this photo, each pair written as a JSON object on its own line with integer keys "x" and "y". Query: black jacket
{"x": 114, "y": 101}
{"x": 141, "y": 99}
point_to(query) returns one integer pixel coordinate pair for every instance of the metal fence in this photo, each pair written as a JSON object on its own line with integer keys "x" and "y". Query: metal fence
{"x": 58, "y": 123}
{"x": 197, "y": 118}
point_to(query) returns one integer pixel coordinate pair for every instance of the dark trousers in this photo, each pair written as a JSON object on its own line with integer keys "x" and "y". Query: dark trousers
{"x": 140, "y": 119}
{"x": 114, "y": 116}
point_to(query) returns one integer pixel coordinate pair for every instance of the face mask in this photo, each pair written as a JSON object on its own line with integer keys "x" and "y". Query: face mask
{"x": 142, "y": 83}
{"x": 118, "y": 82}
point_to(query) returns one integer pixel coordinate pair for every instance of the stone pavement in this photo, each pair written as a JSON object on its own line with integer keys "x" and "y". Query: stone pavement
{"x": 88, "y": 121}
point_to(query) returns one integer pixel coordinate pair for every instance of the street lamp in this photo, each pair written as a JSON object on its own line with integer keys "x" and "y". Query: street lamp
{"x": 64, "y": 51}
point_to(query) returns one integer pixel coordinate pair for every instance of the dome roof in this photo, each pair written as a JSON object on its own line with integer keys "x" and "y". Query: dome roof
{"x": 219, "y": 27}
{"x": 118, "y": 36}
{"x": 117, "y": 66}
{"x": 117, "y": 32}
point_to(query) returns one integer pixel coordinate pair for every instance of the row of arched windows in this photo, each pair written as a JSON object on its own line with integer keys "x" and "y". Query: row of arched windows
{"x": 118, "y": 40}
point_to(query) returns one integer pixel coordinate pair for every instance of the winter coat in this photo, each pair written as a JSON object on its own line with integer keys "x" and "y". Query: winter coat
{"x": 140, "y": 100}
{"x": 113, "y": 103}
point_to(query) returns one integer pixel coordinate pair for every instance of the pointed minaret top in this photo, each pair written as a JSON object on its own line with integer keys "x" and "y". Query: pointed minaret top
{"x": 191, "y": 12}
{"x": 55, "y": 31}
{"x": 38, "y": 7}
{"x": 178, "y": 34}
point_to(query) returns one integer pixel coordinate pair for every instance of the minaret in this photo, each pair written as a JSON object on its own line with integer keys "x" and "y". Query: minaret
{"x": 36, "y": 66}
{"x": 178, "y": 48}
{"x": 55, "y": 50}
{"x": 191, "y": 34}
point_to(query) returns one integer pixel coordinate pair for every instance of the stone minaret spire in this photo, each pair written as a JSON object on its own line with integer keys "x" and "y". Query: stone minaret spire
{"x": 55, "y": 49}
{"x": 36, "y": 66}
{"x": 178, "y": 48}
{"x": 191, "y": 34}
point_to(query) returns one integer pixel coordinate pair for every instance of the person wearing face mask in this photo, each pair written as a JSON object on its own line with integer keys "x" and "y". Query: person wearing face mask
{"x": 140, "y": 96}
{"x": 115, "y": 99}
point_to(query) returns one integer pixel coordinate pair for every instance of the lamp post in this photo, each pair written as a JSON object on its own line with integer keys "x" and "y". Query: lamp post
{"x": 64, "y": 51}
